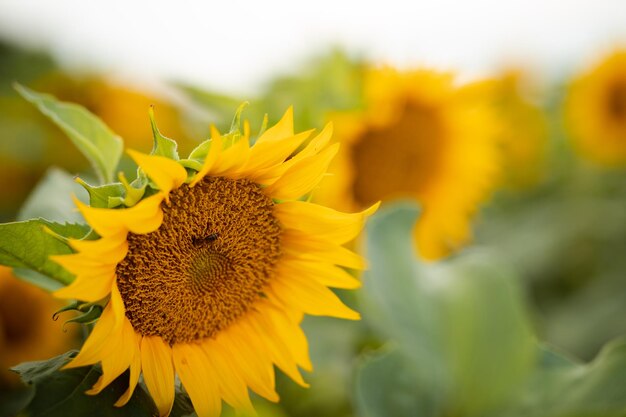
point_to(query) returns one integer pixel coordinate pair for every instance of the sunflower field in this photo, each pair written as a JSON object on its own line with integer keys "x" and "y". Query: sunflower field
{"x": 354, "y": 239}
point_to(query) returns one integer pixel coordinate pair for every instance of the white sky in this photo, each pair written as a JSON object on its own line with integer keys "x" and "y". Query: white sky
{"x": 235, "y": 45}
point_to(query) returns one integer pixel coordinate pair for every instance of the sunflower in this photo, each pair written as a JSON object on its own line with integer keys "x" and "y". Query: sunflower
{"x": 596, "y": 111}
{"x": 208, "y": 278}
{"x": 27, "y": 332}
{"x": 422, "y": 138}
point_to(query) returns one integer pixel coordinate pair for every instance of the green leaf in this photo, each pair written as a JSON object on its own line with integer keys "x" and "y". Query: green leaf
{"x": 37, "y": 279}
{"x": 594, "y": 389}
{"x": 397, "y": 297}
{"x": 52, "y": 199}
{"x": 461, "y": 321}
{"x": 28, "y": 245}
{"x": 62, "y": 393}
{"x": 14, "y": 400}
{"x": 163, "y": 146}
{"x": 485, "y": 331}
{"x": 385, "y": 385}
{"x": 90, "y": 135}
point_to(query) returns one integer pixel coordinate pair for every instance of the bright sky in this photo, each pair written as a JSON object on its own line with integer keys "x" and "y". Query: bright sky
{"x": 235, "y": 45}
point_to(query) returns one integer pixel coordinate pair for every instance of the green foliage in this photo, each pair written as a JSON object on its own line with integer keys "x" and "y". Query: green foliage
{"x": 561, "y": 388}
{"x": 464, "y": 345}
{"x": 52, "y": 199}
{"x": 62, "y": 392}
{"x": 90, "y": 135}
{"x": 387, "y": 384}
{"x": 28, "y": 244}
{"x": 328, "y": 83}
{"x": 53, "y": 392}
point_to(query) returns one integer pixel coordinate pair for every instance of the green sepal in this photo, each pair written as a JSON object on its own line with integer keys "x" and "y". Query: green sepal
{"x": 263, "y": 125}
{"x": 97, "y": 142}
{"x": 162, "y": 146}
{"x": 235, "y": 126}
{"x": 99, "y": 196}
{"x": 88, "y": 317}
{"x": 90, "y": 312}
{"x": 133, "y": 192}
{"x": 74, "y": 305}
{"x": 197, "y": 156}
{"x": 29, "y": 244}
{"x": 115, "y": 194}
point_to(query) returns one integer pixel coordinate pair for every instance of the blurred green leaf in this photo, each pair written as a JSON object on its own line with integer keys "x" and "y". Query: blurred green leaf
{"x": 574, "y": 390}
{"x": 28, "y": 245}
{"x": 51, "y": 199}
{"x": 488, "y": 341}
{"x": 460, "y": 322}
{"x": 96, "y": 140}
{"x": 62, "y": 392}
{"x": 385, "y": 385}
{"x": 397, "y": 297}
{"x": 12, "y": 401}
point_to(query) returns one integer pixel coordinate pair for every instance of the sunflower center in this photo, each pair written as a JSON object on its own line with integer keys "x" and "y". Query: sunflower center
{"x": 207, "y": 263}
{"x": 398, "y": 159}
{"x": 617, "y": 101}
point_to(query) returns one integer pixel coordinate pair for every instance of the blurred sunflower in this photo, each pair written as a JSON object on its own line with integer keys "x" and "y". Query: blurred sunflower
{"x": 523, "y": 129}
{"x": 27, "y": 331}
{"x": 596, "y": 111}
{"x": 419, "y": 137}
{"x": 210, "y": 276}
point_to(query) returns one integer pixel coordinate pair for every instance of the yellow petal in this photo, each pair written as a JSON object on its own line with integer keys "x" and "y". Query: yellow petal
{"x": 271, "y": 175}
{"x": 198, "y": 379}
{"x": 88, "y": 287}
{"x": 282, "y": 129}
{"x": 302, "y": 177}
{"x": 91, "y": 352}
{"x": 316, "y": 145}
{"x": 78, "y": 264}
{"x": 268, "y": 154}
{"x": 166, "y": 173}
{"x": 254, "y": 368}
{"x": 322, "y": 272}
{"x": 158, "y": 372}
{"x": 321, "y": 221}
{"x": 232, "y": 387}
{"x": 214, "y": 153}
{"x": 144, "y": 217}
{"x": 135, "y": 371}
{"x": 290, "y": 333}
{"x": 232, "y": 159}
{"x": 111, "y": 249}
{"x": 117, "y": 356}
{"x": 311, "y": 297}
{"x": 257, "y": 325}
{"x": 319, "y": 250}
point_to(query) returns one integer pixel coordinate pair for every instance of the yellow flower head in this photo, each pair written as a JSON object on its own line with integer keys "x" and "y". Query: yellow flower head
{"x": 596, "y": 111}
{"x": 420, "y": 137}
{"x": 27, "y": 332}
{"x": 210, "y": 276}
